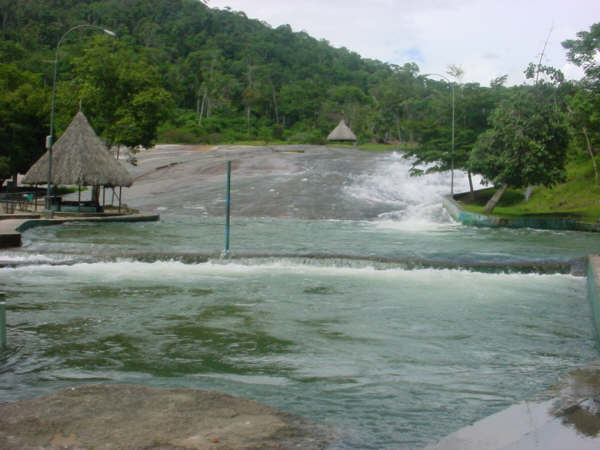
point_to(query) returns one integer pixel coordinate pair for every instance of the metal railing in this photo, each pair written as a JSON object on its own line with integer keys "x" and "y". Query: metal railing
{"x": 10, "y": 202}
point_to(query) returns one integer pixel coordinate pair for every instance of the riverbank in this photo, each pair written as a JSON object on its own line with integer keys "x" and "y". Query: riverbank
{"x": 578, "y": 197}
{"x": 547, "y": 222}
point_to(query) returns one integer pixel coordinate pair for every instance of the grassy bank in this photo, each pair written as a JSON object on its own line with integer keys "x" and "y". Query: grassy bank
{"x": 579, "y": 196}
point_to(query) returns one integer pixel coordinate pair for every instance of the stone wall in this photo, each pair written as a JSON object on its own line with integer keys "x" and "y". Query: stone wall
{"x": 593, "y": 272}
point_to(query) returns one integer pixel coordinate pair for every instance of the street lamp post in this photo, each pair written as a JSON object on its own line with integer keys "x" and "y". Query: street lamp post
{"x": 50, "y": 137}
{"x": 452, "y": 142}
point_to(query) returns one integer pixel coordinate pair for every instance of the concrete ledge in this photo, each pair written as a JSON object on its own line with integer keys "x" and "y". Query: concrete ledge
{"x": 593, "y": 273}
{"x": 570, "y": 420}
{"x": 538, "y": 222}
{"x": 8, "y": 240}
{"x": 11, "y": 229}
{"x": 19, "y": 216}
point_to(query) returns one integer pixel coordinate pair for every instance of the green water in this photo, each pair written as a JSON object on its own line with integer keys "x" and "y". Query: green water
{"x": 387, "y": 323}
{"x": 385, "y": 356}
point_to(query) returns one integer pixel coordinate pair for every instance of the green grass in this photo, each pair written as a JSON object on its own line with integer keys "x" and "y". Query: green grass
{"x": 579, "y": 196}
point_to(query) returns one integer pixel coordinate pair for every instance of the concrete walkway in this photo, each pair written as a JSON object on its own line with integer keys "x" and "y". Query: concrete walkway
{"x": 11, "y": 228}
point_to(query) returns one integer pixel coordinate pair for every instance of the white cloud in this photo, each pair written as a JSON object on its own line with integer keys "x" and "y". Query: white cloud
{"x": 487, "y": 38}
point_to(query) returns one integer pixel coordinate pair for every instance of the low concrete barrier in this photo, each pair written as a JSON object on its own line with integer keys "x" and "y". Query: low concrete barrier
{"x": 8, "y": 240}
{"x": 538, "y": 222}
{"x": 593, "y": 282}
{"x": 11, "y": 229}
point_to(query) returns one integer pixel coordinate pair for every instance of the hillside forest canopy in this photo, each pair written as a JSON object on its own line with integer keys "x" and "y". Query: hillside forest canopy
{"x": 180, "y": 72}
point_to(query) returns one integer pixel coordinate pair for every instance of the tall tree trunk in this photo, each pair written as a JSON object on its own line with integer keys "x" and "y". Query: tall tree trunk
{"x": 198, "y": 101}
{"x": 491, "y": 204}
{"x": 250, "y": 86}
{"x": 248, "y": 119}
{"x": 4, "y": 23}
{"x": 203, "y": 105}
{"x": 398, "y": 127}
{"x": 275, "y": 107}
{"x": 591, "y": 152}
{"x": 471, "y": 192}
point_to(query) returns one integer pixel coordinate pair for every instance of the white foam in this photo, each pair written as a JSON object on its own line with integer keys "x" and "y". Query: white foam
{"x": 175, "y": 271}
{"x": 31, "y": 258}
{"x": 417, "y": 219}
{"x": 418, "y": 199}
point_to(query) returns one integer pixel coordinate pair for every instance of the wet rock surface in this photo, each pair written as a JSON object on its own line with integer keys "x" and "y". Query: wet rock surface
{"x": 570, "y": 420}
{"x": 294, "y": 181}
{"x": 127, "y": 416}
{"x": 578, "y": 401}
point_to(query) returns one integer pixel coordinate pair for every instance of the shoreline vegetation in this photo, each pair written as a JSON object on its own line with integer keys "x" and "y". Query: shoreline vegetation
{"x": 578, "y": 197}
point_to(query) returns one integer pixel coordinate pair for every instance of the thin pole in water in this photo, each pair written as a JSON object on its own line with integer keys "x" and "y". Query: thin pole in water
{"x": 3, "y": 325}
{"x": 225, "y": 253}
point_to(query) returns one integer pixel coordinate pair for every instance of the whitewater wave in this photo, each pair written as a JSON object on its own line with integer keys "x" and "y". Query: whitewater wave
{"x": 176, "y": 271}
{"x": 415, "y": 200}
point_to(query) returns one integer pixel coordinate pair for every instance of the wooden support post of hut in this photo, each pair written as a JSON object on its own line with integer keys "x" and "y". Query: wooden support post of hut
{"x": 342, "y": 133}
{"x": 79, "y": 158}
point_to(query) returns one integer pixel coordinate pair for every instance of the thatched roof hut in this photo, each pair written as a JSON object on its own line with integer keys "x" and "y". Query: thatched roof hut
{"x": 79, "y": 158}
{"x": 342, "y": 133}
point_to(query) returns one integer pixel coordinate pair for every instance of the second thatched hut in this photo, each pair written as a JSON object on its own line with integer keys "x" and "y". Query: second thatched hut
{"x": 342, "y": 133}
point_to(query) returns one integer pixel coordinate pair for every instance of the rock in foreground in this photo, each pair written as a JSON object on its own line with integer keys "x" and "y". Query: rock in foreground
{"x": 126, "y": 416}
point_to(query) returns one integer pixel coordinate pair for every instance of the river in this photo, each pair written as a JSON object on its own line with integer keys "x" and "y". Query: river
{"x": 351, "y": 297}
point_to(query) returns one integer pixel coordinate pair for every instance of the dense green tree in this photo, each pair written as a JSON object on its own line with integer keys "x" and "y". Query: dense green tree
{"x": 121, "y": 93}
{"x": 583, "y": 51}
{"x": 473, "y": 105}
{"x": 395, "y": 95}
{"x": 24, "y": 115}
{"x": 231, "y": 77}
{"x": 526, "y": 144}
{"x": 584, "y": 117}
{"x": 584, "y": 103}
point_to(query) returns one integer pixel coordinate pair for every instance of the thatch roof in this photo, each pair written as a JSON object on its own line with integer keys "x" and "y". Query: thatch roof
{"x": 342, "y": 133}
{"x": 79, "y": 158}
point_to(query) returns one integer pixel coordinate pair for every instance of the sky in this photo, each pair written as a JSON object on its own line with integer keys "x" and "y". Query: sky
{"x": 486, "y": 38}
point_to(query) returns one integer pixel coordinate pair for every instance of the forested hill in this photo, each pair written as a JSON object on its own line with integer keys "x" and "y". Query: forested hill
{"x": 194, "y": 74}
{"x": 235, "y": 76}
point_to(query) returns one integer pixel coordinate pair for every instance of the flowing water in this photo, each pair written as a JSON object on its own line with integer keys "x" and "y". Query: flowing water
{"x": 351, "y": 299}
